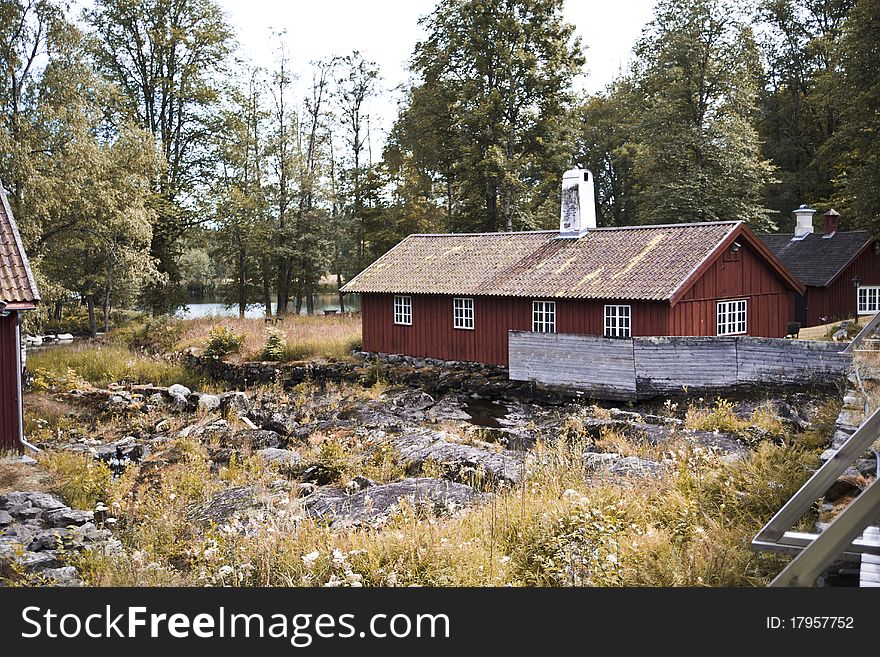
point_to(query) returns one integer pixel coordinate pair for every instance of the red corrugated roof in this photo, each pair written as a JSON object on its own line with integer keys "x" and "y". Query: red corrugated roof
{"x": 648, "y": 263}
{"x": 18, "y": 290}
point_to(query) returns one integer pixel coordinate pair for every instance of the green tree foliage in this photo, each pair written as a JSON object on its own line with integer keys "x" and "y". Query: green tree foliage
{"x": 165, "y": 56}
{"x": 857, "y": 143}
{"x": 491, "y": 106}
{"x": 697, "y": 156}
{"x": 801, "y": 100}
{"x": 80, "y": 176}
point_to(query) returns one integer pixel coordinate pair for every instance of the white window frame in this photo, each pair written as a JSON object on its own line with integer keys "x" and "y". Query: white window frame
{"x": 618, "y": 321}
{"x": 544, "y": 316}
{"x": 869, "y": 302}
{"x": 732, "y": 317}
{"x": 402, "y": 307}
{"x": 463, "y": 313}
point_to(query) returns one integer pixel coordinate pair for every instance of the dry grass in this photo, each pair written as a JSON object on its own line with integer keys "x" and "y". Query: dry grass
{"x": 305, "y": 337}
{"x": 562, "y": 526}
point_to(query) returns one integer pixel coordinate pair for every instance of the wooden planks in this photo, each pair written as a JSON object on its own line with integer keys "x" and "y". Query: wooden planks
{"x": 603, "y": 366}
{"x": 671, "y": 364}
{"x": 641, "y": 368}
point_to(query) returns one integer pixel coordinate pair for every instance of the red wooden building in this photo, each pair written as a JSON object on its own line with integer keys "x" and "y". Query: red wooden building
{"x": 839, "y": 269}
{"x": 455, "y": 296}
{"x": 18, "y": 293}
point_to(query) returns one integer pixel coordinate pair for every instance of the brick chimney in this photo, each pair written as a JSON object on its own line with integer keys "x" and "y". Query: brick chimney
{"x": 832, "y": 222}
{"x": 804, "y": 221}
{"x": 578, "y": 213}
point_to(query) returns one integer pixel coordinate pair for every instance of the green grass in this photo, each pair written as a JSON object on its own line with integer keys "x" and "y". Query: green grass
{"x": 102, "y": 364}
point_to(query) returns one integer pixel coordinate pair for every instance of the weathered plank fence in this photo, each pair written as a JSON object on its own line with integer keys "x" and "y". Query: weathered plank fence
{"x": 641, "y": 368}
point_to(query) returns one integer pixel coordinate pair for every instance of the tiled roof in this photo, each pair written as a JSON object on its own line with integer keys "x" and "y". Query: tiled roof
{"x": 817, "y": 260}
{"x": 646, "y": 263}
{"x": 17, "y": 286}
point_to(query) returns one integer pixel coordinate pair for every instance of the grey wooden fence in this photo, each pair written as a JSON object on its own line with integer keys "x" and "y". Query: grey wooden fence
{"x": 640, "y": 368}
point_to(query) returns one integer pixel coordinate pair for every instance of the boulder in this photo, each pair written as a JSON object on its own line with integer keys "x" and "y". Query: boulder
{"x": 208, "y": 402}
{"x": 285, "y": 458}
{"x": 69, "y": 517}
{"x": 178, "y": 389}
{"x": 235, "y": 403}
{"x": 615, "y": 464}
{"x": 178, "y": 402}
{"x": 235, "y": 501}
{"x": 461, "y": 462}
{"x": 373, "y": 505}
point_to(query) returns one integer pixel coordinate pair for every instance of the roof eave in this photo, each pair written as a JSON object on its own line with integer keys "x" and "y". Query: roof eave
{"x": 861, "y": 250}
{"x": 32, "y": 283}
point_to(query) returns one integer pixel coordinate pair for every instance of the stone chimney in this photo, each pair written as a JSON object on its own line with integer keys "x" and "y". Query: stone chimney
{"x": 578, "y": 203}
{"x": 804, "y": 225}
{"x": 832, "y": 222}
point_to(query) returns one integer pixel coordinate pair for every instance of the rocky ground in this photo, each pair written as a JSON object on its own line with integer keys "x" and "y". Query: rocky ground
{"x": 347, "y": 445}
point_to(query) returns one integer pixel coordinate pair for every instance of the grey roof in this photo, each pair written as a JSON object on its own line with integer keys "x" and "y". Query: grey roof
{"x": 647, "y": 263}
{"x": 18, "y": 288}
{"x": 815, "y": 259}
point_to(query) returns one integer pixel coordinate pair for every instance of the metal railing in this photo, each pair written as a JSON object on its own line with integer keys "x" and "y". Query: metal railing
{"x": 815, "y": 552}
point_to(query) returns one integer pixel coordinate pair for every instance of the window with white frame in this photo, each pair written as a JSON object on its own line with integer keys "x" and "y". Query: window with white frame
{"x": 463, "y": 313}
{"x": 618, "y": 321}
{"x": 544, "y": 316}
{"x": 732, "y": 318}
{"x": 403, "y": 310}
{"x": 869, "y": 299}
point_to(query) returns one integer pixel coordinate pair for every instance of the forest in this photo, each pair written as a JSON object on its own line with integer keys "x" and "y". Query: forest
{"x": 144, "y": 157}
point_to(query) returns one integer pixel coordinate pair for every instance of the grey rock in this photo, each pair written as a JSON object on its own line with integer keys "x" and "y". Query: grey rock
{"x": 46, "y": 502}
{"x": 156, "y": 399}
{"x": 232, "y": 502}
{"x": 281, "y": 457}
{"x": 69, "y": 517}
{"x": 37, "y": 561}
{"x": 412, "y": 400}
{"x": 5, "y": 518}
{"x": 178, "y": 389}
{"x": 374, "y": 505}
{"x": 616, "y": 464}
{"x": 178, "y": 402}
{"x": 235, "y": 403}
{"x": 208, "y": 402}
{"x": 463, "y": 462}
{"x": 25, "y": 512}
{"x": 64, "y": 576}
{"x": 50, "y": 540}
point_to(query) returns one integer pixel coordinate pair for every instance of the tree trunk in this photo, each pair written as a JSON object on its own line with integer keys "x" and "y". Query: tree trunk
{"x": 283, "y": 293}
{"x": 93, "y": 325}
{"x": 107, "y": 289}
{"x": 341, "y": 295}
{"x": 267, "y": 289}
{"x": 242, "y": 291}
{"x": 58, "y": 311}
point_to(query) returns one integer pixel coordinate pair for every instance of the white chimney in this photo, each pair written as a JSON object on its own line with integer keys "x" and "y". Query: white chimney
{"x": 804, "y": 225}
{"x": 578, "y": 203}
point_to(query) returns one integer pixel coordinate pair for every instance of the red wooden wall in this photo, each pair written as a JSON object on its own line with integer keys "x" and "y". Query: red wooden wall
{"x": 10, "y": 394}
{"x": 770, "y": 307}
{"x": 838, "y": 300}
{"x": 431, "y": 335}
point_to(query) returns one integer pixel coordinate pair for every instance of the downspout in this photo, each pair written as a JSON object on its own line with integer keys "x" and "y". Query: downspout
{"x": 18, "y": 368}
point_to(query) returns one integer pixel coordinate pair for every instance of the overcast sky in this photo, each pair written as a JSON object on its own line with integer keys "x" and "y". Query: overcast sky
{"x": 385, "y": 31}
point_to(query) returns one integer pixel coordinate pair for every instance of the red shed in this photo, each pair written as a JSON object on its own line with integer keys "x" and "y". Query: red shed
{"x": 839, "y": 269}
{"x": 18, "y": 293}
{"x": 455, "y": 296}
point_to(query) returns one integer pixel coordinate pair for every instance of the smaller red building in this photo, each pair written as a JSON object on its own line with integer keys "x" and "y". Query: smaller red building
{"x": 839, "y": 269}
{"x": 456, "y": 296}
{"x": 18, "y": 293}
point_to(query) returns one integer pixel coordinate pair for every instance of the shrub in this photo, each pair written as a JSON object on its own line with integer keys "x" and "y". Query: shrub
{"x": 276, "y": 343}
{"x": 80, "y": 479}
{"x": 156, "y": 336}
{"x": 223, "y": 340}
{"x": 721, "y": 417}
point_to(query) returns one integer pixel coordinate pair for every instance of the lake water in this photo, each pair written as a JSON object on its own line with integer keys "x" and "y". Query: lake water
{"x": 255, "y": 311}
